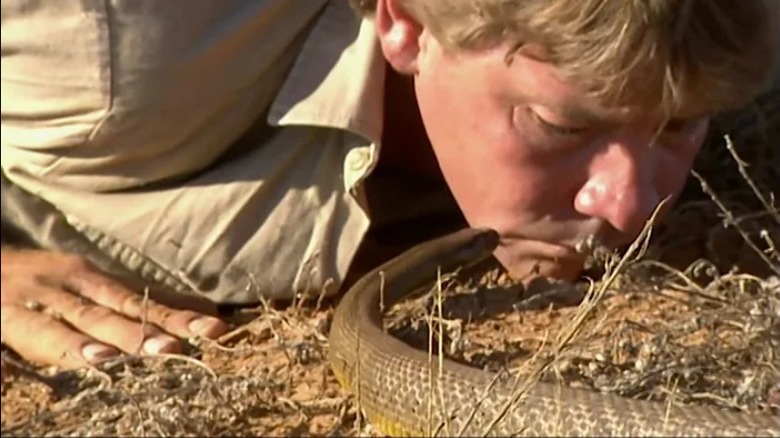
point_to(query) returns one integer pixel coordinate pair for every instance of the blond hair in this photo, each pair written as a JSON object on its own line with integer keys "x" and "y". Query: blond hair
{"x": 681, "y": 56}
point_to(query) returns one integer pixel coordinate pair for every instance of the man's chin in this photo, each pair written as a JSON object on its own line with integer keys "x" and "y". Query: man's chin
{"x": 566, "y": 267}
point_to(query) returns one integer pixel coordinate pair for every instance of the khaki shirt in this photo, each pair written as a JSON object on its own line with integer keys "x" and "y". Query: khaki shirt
{"x": 213, "y": 146}
{"x": 216, "y": 147}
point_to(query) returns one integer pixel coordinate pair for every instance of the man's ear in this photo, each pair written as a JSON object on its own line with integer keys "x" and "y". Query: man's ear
{"x": 399, "y": 35}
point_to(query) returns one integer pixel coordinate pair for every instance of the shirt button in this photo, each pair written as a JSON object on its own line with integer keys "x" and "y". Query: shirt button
{"x": 359, "y": 159}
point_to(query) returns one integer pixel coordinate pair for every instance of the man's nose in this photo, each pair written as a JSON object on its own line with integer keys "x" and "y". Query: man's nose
{"x": 620, "y": 188}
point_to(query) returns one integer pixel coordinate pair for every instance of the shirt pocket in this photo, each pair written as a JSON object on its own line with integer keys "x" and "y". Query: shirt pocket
{"x": 56, "y": 71}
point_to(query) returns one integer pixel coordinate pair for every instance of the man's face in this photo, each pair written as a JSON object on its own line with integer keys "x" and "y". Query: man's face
{"x": 535, "y": 158}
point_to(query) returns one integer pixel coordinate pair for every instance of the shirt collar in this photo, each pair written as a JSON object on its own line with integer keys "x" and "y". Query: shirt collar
{"x": 337, "y": 81}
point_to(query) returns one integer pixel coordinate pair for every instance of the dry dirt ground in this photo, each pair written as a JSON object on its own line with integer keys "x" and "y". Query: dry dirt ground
{"x": 696, "y": 317}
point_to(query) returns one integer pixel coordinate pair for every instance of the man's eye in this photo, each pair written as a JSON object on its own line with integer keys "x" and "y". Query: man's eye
{"x": 553, "y": 128}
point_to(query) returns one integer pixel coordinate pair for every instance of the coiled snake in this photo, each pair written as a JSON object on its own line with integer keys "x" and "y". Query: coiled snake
{"x": 393, "y": 380}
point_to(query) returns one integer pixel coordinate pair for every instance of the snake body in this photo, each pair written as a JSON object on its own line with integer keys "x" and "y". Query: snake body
{"x": 404, "y": 392}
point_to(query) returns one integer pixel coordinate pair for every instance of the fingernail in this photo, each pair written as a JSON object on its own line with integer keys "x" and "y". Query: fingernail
{"x": 206, "y": 326}
{"x": 161, "y": 344}
{"x": 96, "y": 352}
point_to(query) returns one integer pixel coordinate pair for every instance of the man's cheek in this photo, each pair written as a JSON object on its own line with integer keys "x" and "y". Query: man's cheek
{"x": 692, "y": 145}
{"x": 678, "y": 161}
{"x": 671, "y": 178}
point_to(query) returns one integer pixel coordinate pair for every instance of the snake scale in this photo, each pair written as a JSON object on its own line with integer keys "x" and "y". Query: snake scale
{"x": 393, "y": 380}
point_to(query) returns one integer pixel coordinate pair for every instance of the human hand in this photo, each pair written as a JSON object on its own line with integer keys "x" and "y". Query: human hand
{"x": 58, "y": 309}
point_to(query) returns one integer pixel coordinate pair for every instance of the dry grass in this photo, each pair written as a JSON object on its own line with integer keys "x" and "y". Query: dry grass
{"x": 696, "y": 317}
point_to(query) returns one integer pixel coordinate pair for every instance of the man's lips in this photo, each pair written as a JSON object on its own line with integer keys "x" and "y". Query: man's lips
{"x": 540, "y": 248}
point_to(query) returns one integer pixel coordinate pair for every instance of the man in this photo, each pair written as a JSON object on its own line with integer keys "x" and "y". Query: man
{"x": 223, "y": 151}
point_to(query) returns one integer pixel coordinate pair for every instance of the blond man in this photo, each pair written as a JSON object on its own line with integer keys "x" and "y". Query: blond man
{"x": 217, "y": 152}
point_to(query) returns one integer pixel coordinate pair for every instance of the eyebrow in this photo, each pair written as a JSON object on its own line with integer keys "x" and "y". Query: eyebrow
{"x": 579, "y": 112}
{"x": 581, "y": 115}
{"x": 576, "y": 113}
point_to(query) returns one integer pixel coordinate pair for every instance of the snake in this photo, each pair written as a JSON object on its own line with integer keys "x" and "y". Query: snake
{"x": 404, "y": 391}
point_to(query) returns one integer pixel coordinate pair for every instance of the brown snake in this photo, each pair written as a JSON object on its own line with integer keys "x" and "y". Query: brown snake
{"x": 393, "y": 380}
